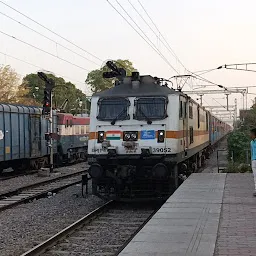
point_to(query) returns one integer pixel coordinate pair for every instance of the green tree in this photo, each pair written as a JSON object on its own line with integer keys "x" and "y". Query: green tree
{"x": 238, "y": 145}
{"x": 63, "y": 90}
{"x": 239, "y": 139}
{"x": 12, "y": 91}
{"x": 98, "y": 83}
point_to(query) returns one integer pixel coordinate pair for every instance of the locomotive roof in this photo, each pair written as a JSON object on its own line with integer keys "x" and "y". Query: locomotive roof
{"x": 146, "y": 87}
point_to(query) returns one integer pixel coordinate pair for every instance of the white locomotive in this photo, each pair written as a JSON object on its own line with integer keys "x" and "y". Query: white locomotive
{"x": 145, "y": 138}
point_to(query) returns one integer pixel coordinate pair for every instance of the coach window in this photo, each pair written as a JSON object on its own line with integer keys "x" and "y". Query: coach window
{"x": 82, "y": 129}
{"x": 198, "y": 117}
{"x": 191, "y": 135}
{"x": 77, "y": 129}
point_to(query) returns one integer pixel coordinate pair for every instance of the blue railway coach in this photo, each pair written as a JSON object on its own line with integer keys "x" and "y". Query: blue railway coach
{"x": 22, "y": 137}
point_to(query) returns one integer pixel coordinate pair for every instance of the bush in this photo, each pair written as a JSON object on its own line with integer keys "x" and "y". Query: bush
{"x": 237, "y": 168}
{"x": 238, "y": 143}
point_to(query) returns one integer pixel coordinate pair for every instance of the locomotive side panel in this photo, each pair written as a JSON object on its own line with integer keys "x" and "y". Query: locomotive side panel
{"x": 194, "y": 127}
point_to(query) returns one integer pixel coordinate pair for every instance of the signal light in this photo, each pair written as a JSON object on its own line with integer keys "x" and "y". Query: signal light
{"x": 47, "y": 101}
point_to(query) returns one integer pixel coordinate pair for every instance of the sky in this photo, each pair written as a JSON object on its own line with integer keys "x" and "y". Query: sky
{"x": 203, "y": 34}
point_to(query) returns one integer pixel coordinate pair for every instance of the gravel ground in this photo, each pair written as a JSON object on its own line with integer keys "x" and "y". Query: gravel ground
{"x": 105, "y": 234}
{"x": 14, "y": 183}
{"x": 211, "y": 164}
{"x": 24, "y": 226}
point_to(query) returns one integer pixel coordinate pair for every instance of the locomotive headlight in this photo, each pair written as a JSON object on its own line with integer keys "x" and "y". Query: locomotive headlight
{"x": 100, "y": 137}
{"x": 127, "y": 136}
{"x": 134, "y": 136}
{"x": 130, "y": 136}
{"x": 161, "y": 136}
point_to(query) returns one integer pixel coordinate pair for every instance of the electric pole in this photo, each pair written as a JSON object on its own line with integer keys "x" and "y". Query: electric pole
{"x": 47, "y": 111}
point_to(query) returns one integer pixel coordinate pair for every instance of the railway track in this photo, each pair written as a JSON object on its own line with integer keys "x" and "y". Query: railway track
{"x": 105, "y": 231}
{"x": 38, "y": 190}
{"x": 15, "y": 174}
{"x": 8, "y": 176}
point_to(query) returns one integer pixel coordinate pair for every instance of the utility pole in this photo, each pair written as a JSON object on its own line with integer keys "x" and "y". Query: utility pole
{"x": 201, "y": 99}
{"x": 235, "y": 115}
{"x": 47, "y": 111}
{"x": 227, "y": 99}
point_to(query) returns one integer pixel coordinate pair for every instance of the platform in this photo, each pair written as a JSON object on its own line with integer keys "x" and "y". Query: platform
{"x": 210, "y": 214}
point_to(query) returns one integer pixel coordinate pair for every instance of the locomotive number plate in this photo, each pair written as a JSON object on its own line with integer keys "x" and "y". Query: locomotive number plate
{"x": 130, "y": 151}
{"x": 98, "y": 150}
{"x": 161, "y": 150}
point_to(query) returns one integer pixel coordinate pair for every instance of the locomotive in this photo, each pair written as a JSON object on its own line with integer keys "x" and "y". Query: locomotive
{"x": 146, "y": 137}
{"x": 23, "y": 143}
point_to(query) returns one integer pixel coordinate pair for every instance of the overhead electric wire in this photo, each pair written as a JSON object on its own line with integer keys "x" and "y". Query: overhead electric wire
{"x": 167, "y": 45}
{"x": 202, "y": 72}
{"x": 168, "y": 48}
{"x": 162, "y": 35}
{"x": 34, "y": 65}
{"x": 33, "y": 46}
{"x": 55, "y": 33}
{"x": 192, "y": 73}
{"x": 47, "y": 37}
{"x": 157, "y": 51}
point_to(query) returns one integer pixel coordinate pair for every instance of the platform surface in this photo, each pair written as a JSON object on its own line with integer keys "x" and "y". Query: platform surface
{"x": 237, "y": 229}
{"x": 187, "y": 224}
{"x": 210, "y": 214}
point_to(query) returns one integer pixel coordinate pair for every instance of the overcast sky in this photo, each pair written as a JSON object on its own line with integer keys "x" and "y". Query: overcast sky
{"x": 204, "y": 34}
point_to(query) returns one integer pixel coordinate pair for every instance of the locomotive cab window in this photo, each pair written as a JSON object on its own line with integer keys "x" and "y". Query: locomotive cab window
{"x": 147, "y": 108}
{"x": 113, "y": 109}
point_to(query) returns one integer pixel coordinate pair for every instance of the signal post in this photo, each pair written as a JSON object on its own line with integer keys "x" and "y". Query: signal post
{"x": 47, "y": 111}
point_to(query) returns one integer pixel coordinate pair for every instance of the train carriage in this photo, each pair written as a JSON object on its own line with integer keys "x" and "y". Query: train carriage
{"x": 73, "y": 137}
{"x": 23, "y": 143}
{"x": 144, "y": 138}
{"x": 22, "y": 137}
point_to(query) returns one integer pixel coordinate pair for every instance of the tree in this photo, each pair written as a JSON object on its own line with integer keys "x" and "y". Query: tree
{"x": 98, "y": 83}
{"x": 9, "y": 83}
{"x": 11, "y": 89}
{"x": 63, "y": 90}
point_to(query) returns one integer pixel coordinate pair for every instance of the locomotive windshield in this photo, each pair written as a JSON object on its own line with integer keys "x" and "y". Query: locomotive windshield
{"x": 149, "y": 108}
{"x": 113, "y": 109}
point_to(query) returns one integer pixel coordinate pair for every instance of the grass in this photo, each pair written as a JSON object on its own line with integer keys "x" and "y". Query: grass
{"x": 237, "y": 168}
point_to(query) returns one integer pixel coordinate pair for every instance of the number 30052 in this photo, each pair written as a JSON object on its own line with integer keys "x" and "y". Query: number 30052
{"x": 161, "y": 150}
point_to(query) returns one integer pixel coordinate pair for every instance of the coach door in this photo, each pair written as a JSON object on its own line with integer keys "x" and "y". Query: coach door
{"x": 35, "y": 136}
